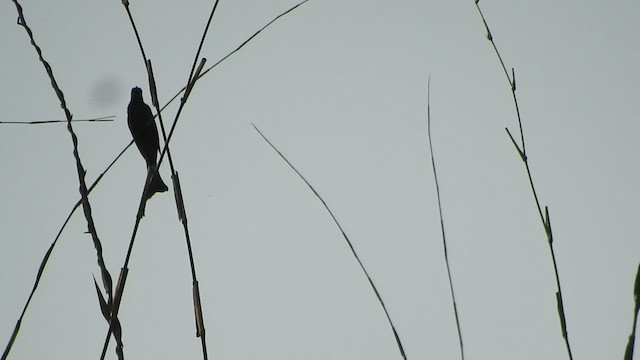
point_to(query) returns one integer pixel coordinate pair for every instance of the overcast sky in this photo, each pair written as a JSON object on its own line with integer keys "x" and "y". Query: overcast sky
{"x": 340, "y": 88}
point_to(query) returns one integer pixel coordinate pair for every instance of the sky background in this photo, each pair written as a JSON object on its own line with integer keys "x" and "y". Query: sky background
{"x": 340, "y": 88}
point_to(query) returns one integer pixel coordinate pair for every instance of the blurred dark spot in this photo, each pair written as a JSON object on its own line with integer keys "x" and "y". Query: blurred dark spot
{"x": 104, "y": 92}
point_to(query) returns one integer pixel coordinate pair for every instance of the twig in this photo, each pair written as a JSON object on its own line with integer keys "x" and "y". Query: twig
{"x": 544, "y": 217}
{"x": 444, "y": 238}
{"x": 106, "y": 277}
{"x": 251, "y": 37}
{"x": 100, "y": 119}
{"x": 346, "y": 238}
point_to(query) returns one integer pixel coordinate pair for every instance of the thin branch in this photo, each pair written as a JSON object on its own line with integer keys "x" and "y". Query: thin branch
{"x": 80, "y": 169}
{"x": 106, "y": 277}
{"x": 444, "y": 238}
{"x": 37, "y": 122}
{"x": 346, "y": 238}
{"x": 252, "y": 36}
{"x": 544, "y": 218}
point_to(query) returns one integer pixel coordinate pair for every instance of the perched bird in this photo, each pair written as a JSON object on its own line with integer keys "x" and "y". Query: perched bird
{"x": 145, "y": 135}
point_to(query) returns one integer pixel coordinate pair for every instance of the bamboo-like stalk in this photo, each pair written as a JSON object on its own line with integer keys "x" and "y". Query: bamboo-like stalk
{"x": 544, "y": 216}
{"x": 346, "y": 238}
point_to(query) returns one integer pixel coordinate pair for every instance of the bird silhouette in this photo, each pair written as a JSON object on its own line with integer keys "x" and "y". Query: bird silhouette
{"x": 145, "y": 135}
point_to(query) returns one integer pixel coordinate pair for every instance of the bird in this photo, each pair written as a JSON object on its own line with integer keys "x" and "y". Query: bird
{"x": 145, "y": 135}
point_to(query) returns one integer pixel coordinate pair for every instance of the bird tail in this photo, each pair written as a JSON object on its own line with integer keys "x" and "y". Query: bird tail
{"x": 156, "y": 185}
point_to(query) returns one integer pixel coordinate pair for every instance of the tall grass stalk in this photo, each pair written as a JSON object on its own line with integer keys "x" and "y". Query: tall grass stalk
{"x": 444, "y": 237}
{"x": 84, "y": 193}
{"x": 346, "y": 238}
{"x": 544, "y": 216}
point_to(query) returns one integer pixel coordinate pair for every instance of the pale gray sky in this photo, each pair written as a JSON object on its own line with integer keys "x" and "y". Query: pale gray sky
{"x": 340, "y": 88}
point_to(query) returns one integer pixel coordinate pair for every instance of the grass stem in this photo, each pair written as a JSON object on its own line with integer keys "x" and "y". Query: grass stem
{"x": 346, "y": 238}
{"x": 444, "y": 237}
{"x": 84, "y": 192}
{"x": 546, "y": 223}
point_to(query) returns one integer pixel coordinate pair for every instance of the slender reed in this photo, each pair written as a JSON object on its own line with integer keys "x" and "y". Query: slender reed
{"x": 37, "y": 122}
{"x": 46, "y": 258}
{"x": 444, "y": 238}
{"x": 106, "y": 276}
{"x": 544, "y": 217}
{"x": 346, "y": 238}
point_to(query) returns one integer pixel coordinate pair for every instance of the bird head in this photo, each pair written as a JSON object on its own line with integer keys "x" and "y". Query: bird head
{"x": 136, "y": 93}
